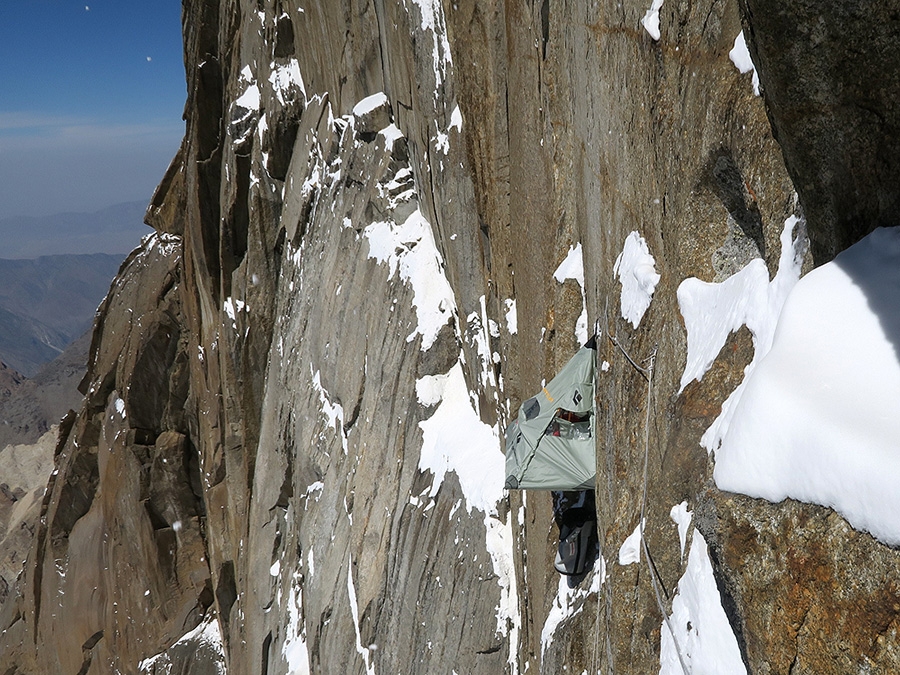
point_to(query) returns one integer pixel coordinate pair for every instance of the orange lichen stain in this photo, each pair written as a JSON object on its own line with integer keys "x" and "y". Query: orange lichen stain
{"x": 750, "y": 191}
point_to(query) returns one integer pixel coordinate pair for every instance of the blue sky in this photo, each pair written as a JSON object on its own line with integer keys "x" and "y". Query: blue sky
{"x": 91, "y": 97}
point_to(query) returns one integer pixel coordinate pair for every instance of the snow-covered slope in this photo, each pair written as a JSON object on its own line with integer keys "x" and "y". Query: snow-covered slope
{"x": 818, "y": 419}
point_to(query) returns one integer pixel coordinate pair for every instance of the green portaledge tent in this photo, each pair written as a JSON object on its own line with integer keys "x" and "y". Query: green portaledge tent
{"x": 550, "y": 446}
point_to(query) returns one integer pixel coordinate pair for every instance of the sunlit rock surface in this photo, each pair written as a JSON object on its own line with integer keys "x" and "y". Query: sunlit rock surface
{"x": 357, "y": 240}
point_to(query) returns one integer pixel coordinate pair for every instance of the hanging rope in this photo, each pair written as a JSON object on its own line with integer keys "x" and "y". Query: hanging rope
{"x": 594, "y": 670}
{"x": 606, "y": 590}
{"x": 654, "y": 579}
{"x": 655, "y": 582}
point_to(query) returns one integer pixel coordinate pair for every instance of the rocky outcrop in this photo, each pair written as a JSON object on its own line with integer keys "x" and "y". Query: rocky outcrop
{"x": 288, "y": 456}
{"x": 820, "y": 598}
{"x": 830, "y": 84}
{"x": 10, "y": 381}
{"x": 25, "y": 470}
{"x": 118, "y": 556}
{"x": 36, "y": 404}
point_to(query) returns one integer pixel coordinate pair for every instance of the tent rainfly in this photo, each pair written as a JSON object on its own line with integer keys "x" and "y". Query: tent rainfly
{"x": 550, "y": 446}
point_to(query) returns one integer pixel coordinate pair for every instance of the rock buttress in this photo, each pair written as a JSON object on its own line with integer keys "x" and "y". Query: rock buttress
{"x": 297, "y": 391}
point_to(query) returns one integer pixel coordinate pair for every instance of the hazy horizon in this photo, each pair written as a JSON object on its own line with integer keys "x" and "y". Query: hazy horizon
{"x": 115, "y": 229}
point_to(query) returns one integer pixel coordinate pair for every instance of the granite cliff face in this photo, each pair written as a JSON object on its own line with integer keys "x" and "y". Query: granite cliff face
{"x": 296, "y": 388}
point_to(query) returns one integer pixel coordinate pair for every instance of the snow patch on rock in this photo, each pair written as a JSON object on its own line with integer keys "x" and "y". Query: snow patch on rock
{"x": 630, "y": 550}
{"x": 572, "y": 267}
{"x": 650, "y": 22}
{"x": 365, "y": 652}
{"x": 740, "y": 57}
{"x": 231, "y": 307}
{"x": 702, "y": 632}
{"x": 409, "y": 248}
{"x": 333, "y": 412}
{"x": 249, "y": 98}
{"x": 294, "y": 650}
{"x": 682, "y": 518}
{"x": 432, "y": 20}
{"x": 455, "y": 439}
{"x": 205, "y": 636}
{"x": 478, "y": 335}
{"x": 712, "y": 311}
{"x": 512, "y": 319}
{"x": 166, "y": 244}
{"x": 570, "y": 601}
{"x": 455, "y": 120}
{"x": 636, "y": 270}
{"x": 818, "y": 419}
{"x": 287, "y": 81}
{"x": 370, "y": 103}
{"x": 499, "y": 543}
{"x": 441, "y": 141}
{"x": 391, "y": 134}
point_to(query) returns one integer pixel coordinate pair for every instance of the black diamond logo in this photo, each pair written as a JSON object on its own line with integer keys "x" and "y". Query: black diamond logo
{"x": 577, "y": 397}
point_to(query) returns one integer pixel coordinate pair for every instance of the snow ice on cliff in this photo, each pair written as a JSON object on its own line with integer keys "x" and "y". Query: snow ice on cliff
{"x": 816, "y": 416}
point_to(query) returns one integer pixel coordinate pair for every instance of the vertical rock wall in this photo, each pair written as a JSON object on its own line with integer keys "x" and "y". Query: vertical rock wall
{"x": 288, "y": 456}
{"x": 831, "y": 80}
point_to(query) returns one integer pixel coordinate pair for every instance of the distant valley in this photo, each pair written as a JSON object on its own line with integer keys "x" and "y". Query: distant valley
{"x": 47, "y": 303}
{"x": 29, "y": 407}
{"x": 54, "y": 273}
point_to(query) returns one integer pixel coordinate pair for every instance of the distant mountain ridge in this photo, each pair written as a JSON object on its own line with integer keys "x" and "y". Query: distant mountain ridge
{"x": 117, "y": 229}
{"x": 29, "y": 407}
{"x": 10, "y": 381}
{"x": 48, "y": 302}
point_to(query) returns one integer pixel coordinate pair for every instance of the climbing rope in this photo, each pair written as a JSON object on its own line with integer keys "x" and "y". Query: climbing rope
{"x": 654, "y": 579}
{"x": 655, "y": 582}
{"x": 606, "y": 591}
